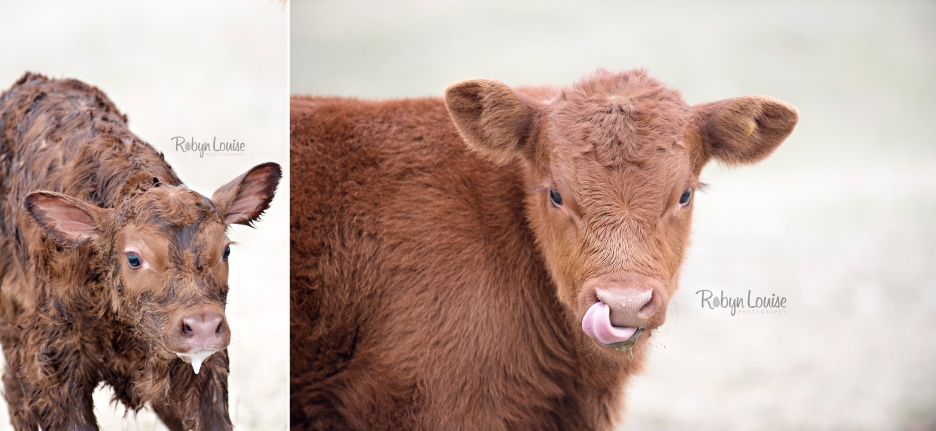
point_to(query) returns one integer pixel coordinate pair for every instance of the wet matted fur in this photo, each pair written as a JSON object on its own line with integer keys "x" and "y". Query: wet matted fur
{"x": 80, "y": 194}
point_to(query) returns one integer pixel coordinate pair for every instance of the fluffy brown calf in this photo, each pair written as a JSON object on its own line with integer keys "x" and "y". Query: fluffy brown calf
{"x": 510, "y": 287}
{"x": 112, "y": 270}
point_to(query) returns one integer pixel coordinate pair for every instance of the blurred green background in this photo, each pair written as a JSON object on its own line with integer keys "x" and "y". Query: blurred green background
{"x": 840, "y": 220}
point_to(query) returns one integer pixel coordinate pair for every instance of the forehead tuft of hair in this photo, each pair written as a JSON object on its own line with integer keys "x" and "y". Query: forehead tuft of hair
{"x": 166, "y": 206}
{"x": 623, "y": 117}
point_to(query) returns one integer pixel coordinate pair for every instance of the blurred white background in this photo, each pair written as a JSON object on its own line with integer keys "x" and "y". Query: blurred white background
{"x": 199, "y": 69}
{"x": 840, "y": 220}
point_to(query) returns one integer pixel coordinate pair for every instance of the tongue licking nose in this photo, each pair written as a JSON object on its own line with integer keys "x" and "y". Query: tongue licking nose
{"x": 619, "y": 307}
{"x": 597, "y": 324}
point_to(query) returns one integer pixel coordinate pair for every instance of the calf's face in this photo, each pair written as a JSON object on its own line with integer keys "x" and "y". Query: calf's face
{"x": 167, "y": 254}
{"x": 612, "y": 166}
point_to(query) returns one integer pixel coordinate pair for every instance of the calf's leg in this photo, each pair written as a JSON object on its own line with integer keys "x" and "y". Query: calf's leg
{"x": 55, "y": 387}
{"x": 13, "y": 392}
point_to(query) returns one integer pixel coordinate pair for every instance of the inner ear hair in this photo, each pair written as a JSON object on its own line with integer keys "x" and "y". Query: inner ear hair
{"x": 244, "y": 199}
{"x": 67, "y": 220}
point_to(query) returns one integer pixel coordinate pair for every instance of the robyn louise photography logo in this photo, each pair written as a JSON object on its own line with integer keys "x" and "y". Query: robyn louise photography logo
{"x": 753, "y": 304}
{"x": 212, "y": 148}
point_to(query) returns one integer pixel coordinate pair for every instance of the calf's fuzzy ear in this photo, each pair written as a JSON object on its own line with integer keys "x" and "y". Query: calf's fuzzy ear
{"x": 246, "y": 197}
{"x": 493, "y": 119}
{"x": 63, "y": 218}
{"x": 744, "y": 129}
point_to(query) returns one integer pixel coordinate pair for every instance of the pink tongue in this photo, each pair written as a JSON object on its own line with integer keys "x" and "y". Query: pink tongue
{"x": 597, "y": 324}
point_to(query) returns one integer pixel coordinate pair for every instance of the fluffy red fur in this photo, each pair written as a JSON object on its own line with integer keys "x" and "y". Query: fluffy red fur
{"x": 80, "y": 195}
{"x": 445, "y": 252}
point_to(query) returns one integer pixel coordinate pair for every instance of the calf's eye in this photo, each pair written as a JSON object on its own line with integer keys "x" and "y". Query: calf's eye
{"x": 133, "y": 260}
{"x": 555, "y": 197}
{"x": 684, "y": 199}
{"x": 227, "y": 252}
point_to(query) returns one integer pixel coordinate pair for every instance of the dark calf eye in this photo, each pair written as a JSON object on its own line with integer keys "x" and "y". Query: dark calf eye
{"x": 684, "y": 199}
{"x": 133, "y": 260}
{"x": 555, "y": 197}
{"x": 227, "y": 252}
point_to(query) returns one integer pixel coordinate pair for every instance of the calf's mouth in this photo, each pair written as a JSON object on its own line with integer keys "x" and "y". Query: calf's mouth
{"x": 196, "y": 357}
{"x": 597, "y": 324}
{"x": 618, "y": 309}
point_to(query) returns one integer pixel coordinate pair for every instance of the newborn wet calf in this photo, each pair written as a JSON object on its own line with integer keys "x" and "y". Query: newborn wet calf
{"x": 112, "y": 269}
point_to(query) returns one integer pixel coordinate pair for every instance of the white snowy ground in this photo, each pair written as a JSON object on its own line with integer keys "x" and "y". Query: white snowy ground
{"x": 840, "y": 220}
{"x": 202, "y": 69}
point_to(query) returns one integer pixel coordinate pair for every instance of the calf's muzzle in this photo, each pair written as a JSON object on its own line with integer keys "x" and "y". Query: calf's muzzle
{"x": 197, "y": 333}
{"x": 615, "y": 307}
{"x": 204, "y": 331}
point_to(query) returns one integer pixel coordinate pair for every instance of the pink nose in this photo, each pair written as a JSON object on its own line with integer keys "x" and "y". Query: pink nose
{"x": 204, "y": 331}
{"x": 635, "y": 300}
{"x": 630, "y": 306}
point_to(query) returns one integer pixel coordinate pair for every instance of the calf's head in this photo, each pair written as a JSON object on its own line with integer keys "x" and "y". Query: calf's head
{"x": 612, "y": 165}
{"x": 166, "y": 254}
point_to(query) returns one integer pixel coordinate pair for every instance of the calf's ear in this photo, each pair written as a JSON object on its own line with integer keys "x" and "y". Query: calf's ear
{"x": 493, "y": 119}
{"x": 63, "y": 218}
{"x": 246, "y": 197}
{"x": 744, "y": 129}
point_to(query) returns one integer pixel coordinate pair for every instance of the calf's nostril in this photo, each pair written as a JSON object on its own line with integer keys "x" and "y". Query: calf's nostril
{"x": 186, "y": 330}
{"x": 646, "y": 307}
